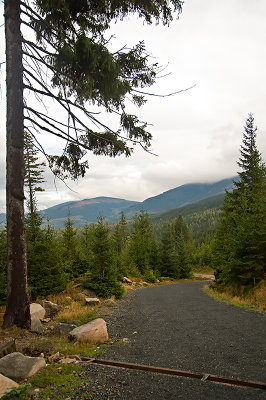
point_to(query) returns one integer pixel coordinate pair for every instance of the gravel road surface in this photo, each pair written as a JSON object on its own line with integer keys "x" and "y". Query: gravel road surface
{"x": 178, "y": 326}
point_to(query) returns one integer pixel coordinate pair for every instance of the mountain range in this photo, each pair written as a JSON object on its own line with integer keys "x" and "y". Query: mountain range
{"x": 88, "y": 210}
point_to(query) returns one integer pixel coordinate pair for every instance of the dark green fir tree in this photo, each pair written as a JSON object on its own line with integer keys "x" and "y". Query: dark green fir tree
{"x": 141, "y": 242}
{"x": 120, "y": 239}
{"x": 103, "y": 276}
{"x": 170, "y": 265}
{"x": 240, "y": 242}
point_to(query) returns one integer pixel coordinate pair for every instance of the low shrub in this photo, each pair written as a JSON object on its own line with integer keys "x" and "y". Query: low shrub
{"x": 104, "y": 286}
{"x": 149, "y": 276}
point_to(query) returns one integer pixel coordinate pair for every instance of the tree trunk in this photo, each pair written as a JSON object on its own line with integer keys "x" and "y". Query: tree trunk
{"x": 17, "y": 309}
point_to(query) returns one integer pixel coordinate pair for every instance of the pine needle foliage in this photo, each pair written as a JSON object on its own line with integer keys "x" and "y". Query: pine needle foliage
{"x": 71, "y": 46}
{"x": 240, "y": 243}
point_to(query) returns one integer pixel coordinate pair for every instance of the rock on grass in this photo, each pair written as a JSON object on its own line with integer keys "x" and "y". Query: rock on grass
{"x": 93, "y": 332}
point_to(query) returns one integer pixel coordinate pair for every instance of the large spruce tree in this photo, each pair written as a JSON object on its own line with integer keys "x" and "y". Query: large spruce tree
{"x": 69, "y": 48}
{"x": 240, "y": 243}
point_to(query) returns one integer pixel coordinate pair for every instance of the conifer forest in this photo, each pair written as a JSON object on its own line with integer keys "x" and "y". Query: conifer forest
{"x": 70, "y": 61}
{"x": 231, "y": 240}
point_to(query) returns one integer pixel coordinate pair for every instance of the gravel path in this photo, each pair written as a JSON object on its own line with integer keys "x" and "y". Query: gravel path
{"x": 178, "y": 326}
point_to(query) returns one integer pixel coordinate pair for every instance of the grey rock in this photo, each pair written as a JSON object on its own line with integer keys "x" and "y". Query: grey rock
{"x": 51, "y": 309}
{"x": 36, "y": 326}
{"x": 6, "y": 385}
{"x": 63, "y": 329}
{"x": 93, "y": 332}
{"x": 89, "y": 293}
{"x": 16, "y": 365}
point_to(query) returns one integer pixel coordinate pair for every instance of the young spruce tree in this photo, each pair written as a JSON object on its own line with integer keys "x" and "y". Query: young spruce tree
{"x": 103, "y": 277}
{"x": 240, "y": 241}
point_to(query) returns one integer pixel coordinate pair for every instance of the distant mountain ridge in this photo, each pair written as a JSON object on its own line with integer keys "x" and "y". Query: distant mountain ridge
{"x": 88, "y": 210}
{"x": 181, "y": 196}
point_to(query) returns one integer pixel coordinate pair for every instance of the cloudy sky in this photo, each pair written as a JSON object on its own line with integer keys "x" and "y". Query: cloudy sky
{"x": 218, "y": 46}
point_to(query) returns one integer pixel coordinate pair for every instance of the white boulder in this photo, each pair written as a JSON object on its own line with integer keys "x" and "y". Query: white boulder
{"x": 37, "y": 311}
{"x": 92, "y": 301}
{"x": 93, "y": 332}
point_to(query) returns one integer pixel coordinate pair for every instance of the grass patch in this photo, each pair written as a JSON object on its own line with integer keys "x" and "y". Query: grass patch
{"x": 66, "y": 347}
{"x": 57, "y": 381}
{"x": 76, "y": 311}
{"x": 254, "y": 300}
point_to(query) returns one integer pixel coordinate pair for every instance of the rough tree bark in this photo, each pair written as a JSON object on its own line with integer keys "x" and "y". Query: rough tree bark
{"x": 17, "y": 310}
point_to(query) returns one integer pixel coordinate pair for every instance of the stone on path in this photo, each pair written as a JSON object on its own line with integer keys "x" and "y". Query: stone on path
{"x": 51, "y": 308}
{"x": 6, "y": 384}
{"x": 37, "y": 311}
{"x": 16, "y": 365}
{"x": 91, "y": 301}
{"x": 93, "y": 332}
{"x": 36, "y": 326}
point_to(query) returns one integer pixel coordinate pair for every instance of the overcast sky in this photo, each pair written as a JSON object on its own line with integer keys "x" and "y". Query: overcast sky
{"x": 218, "y": 46}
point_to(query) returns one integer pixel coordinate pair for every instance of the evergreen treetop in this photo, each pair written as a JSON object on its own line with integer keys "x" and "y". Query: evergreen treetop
{"x": 240, "y": 241}
{"x": 253, "y": 169}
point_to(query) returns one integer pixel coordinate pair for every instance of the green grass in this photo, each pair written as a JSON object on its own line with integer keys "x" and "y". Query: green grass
{"x": 19, "y": 393}
{"x": 84, "y": 318}
{"x": 57, "y": 381}
{"x": 66, "y": 347}
{"x": 76, "y": 311}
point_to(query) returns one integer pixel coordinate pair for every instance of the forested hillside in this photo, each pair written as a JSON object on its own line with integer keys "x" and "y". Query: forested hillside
{"x": 181, "y": 196}
{"x": 201, "y": 218}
